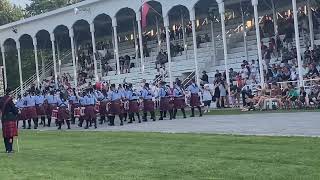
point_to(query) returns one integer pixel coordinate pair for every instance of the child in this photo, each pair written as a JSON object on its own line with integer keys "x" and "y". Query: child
{"x": 206, "y": 98}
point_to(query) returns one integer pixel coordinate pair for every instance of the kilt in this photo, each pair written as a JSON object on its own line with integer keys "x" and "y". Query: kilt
{"x": 9, "y": 129}
{"x": 195, "y": 100}
{"x": 90, "y": 112}
{"x": 103, "y": 108}
{"x": 50, "y": 108}
{"x": 166, "y": 104}
{"x": 148, "y": 105}
{"x": 22, "y": 114}
{"x": 40, "y": 110}
{"x": 179, "y": 102}
{"x": 134, "y": 106}
{"x": 31, "y": 112}
{"x": 115, "y": 108}
{"x": 73, "y": 106}
{"x": 125, "y": 106}
{"x": 63, "y": 114}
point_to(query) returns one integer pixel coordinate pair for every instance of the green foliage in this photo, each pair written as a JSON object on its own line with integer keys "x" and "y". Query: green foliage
{"x": 41, "y": 6}
{"x": 9, "y": 13}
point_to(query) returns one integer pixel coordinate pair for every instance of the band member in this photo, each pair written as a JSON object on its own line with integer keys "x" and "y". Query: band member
{"x": 52, "y": 104}
{"x": 82, "y": 104}
{"x": 195, "y": 98}
{"x": 115, "y": 109}
{"x": 40, "y": 107}
{"x": 63, "y": 112}
{"x": 125, "y": 101}
{"x": 74, "y": 103}
{"x": 102, "y": 97}
{"x": 133, "y": 96}
{"x": 148, "y": 104}
{"x": 90, "y": 111}
{"x": 31, "y": 111}
{"x": 179, "y": 100}
{"x": 20, "y": 104}
{"x": 165, "y": 101}
{"x": 9, "y": 121}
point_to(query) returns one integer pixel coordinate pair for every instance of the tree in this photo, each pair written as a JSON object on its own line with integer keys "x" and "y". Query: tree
{"x": 41, "y": 6}
{"x": 9, "y": 13}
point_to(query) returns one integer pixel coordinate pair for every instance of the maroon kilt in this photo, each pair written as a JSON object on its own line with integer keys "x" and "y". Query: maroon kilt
{"x": 166, "y": 104}
{"x": 63, "y": 114}
{"x": 31, "y": 112}
{"x": 49, "y": 109}
{"x": 90, "y": 112}
{"x": 73, "y": 106}
{"x": 103, "y": 108}
{"x": 115, "y": 108}
{"x": 22, "y": 115}
{"x": 148, "y": 105}
{"x": 134, "y": 106}
{"x": 179, "y": 102}
{"x": 9, "y": 129}
{"x": 195, "y": 100}
{"x": 41, "y": 110}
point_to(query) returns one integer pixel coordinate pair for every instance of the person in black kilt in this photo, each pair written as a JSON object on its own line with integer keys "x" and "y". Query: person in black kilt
{"x": 9, "y": 117}
{"x": 179, "y": 100}
{"x": 195, "y": 98}
{"x": 148, "y": 104}
{"x": 63, "y": 112}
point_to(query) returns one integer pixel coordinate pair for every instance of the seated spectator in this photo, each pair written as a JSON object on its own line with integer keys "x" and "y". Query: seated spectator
{"x": 204, "y": 78}
{"x": 313, "y": 72}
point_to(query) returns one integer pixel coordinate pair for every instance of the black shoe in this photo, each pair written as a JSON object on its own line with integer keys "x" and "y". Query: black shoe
{"x": 69, "y": 128}
{"x": 145, "y": 120}
{"x": 160, "y": 119}
{"x": 139, "y": 121}
{"x": 86, "y": 127}
{"x": 29, "y": 127}
{"x": 184, "y": 117}
{"x": 110, "y": 124}
{"x": 95, "y": 127}
{"x": 130, "y": 122}
{"x": 100, "y": 122}
{"x": 200, "y": 115}
{"x": 154, "y": 119}
{"x": 59, "y": 128}
{"x": 35, "y": 127}
{"x": 121, "y": 124}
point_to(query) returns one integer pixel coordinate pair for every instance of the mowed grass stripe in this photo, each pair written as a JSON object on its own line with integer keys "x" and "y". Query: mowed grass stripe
{"x": 125, "y": 155}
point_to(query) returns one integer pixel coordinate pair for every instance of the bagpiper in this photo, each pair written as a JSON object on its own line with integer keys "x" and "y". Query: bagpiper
{"x": 63, "y": 112}
{"x": 148, "y": 104}
{"x": 179, "y": 100}
{"x": 165, "y": 101}
{"x": 52, "y": 101}
{"x": 115, "y": 109}
{"x": 31, "y": 111}
{"x": 40, "y": 107}
{"x": 74, "y": 103}
{"x": 90, "y": 109}
{"x": 9, "y": 114}
{"x": 195, "y": 98}
{"x": 134, "y": 106}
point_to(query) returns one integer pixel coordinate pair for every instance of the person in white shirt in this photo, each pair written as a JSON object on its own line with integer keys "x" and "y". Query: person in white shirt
{"x": 206, "y": 97}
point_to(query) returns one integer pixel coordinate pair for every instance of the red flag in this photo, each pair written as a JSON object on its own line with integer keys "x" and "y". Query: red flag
{"x": 145, "y": 10}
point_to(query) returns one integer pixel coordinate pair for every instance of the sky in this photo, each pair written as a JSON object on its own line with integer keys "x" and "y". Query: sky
{"x": 20, "y": 2}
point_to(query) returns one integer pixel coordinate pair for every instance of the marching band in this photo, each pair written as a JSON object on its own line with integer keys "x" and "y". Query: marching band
{"x": 107, "y": 103}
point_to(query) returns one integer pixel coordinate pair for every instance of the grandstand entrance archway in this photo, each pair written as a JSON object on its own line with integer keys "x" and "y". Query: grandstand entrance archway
{"x": 11, "y": 56}
{"x": 27, "y": 56}
{"x": 44, "y": 51}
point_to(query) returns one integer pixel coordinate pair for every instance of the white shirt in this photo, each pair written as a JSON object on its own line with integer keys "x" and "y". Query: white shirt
{"x": 206, "y": 96}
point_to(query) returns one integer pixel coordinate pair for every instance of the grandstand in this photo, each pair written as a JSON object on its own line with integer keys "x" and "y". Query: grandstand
{"x": 95, "y": 21}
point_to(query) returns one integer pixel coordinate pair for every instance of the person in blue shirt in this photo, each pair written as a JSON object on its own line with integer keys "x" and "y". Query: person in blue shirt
{"x": 103, "y": 98}
{"x": 90, "y": 109}
{"x": 195, "y": 98}
{"x": 74, "y": 103}
{"x": 52, "y": 104}
{"x": 82, "y": 105}
{"x": 165, "y": 101}
{"x": 179, "y": 100}
{"x": 148, "y": 104}
{"x": 125, "y": 102}
{"x": 40, "y": 106}
{"x": 63, "y": 111}
{"x": 31, "y": 111}
{"x": 133, "y": 96}
{"x": 115, "y": 97}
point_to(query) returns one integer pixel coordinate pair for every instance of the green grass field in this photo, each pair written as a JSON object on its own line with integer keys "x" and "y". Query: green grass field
{"x": 115, "y": 155}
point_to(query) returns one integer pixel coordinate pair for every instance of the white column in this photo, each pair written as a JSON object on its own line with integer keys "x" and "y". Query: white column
{"x": 135, "y": 40}
{"x": 195, "y": 48}
{"x": 35, "y": 44}
{"x": 213, "y": 40}
{"x": 116, "y": 47}
{"x": 138, "y": 16}
{"x": 20, "y": 68}
{"x": 244, "y": 33}
{"x": 275, "y": 18}
{"x": 224, "y": 40}
{"x": 310, "y": 24}
{"x": 158, "y": 34}
{"x": 297, "y": 38}
{"x": 256, "y": 22}
{"x": 166, "y": 25}
{"x": 94, "y": 49}
{"x": 52, "y": 38}
{"x": 59, "y": 59}
{"x": 183, "y": 33}
{"x": 4, "y": 65}
{"x": 71, "y": 34}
